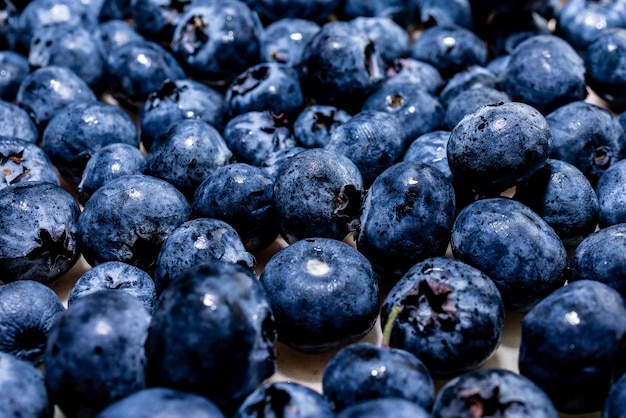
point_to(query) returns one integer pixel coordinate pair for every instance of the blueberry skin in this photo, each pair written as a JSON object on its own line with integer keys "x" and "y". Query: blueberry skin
{"x": 391, "y": 39}
{"x": 22, "y": 161}
{"x": 15, "y": 122}
{"x": 363, "y": 371}
{"x": 545, "y": 72}
{"x": 323, "y": 293}
{"x": 213, "y": 334}
{"x": 217, "y": 40}
{"x": 472, "y": 77}
{"x": 108, "y": 163}
{"x": 604, "y": 64}
{"x": 187, "y": 153}
{"x": 119, "y": 276}
{"x": 340, "y": 66}
{"x": 312, "y": 10}
{"x": 28, "y": 310}
{"x": 80, "y": 129}
{"x": 614, "y": 404}
{"x": 267, "y": 86}
{"x": 372, "y": 139}
{"x": 410, "y": 70}
{"x": 469, "y": 101}
{"x": 176, "y": 100}
{"x": 564, "y": 198}
{"x": 610, "y": 192}
{"x": 137, "y": 69}
{"x": 38, "y": 232}
{"x": 147, "y": 211}
{"x": 380, "y": 407}
{"x": 492, "y": 392}
{"x": 417, "y": 111}
{"x": 283, "y": 40}
{"x": 115, "y": 33}
{"x": 407, "y": 216}
{"x": 317, "y": 193}
{"x": 451, "y": 316}
{"x": 24, "y": 389}
{"x": 586, "y": 136}
{"x": 196, "y": 241}
{"x": 571, "y": 345}
{"x": 314, "y": 125}
{"x": 15, "y": 68}
{"x": 151, "y": 402}
{"x": 254, "y": 136}
{"x": 284, "y": 400}
{"x": 156, "y": 19}
{"x": 498, "y": 146}
{"x": 508, "y": 28}
{"x": 430, "y": 148}
{"x": 242, "y": 196}
{"x": 398, "y": 10}
{"x": 512, "y": 245}
{"x": 599, "y": 257}
{"x": 9, "y": 30}
{"x": 457, "y": 12}
{"x": 450, "y": 49}
{"x": 47, "y": 90}
{"x": 95, "y": 352}
{"x": 276, "y": 159}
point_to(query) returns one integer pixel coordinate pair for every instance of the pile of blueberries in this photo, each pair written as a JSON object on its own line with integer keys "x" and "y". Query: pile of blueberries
{"x": 425, "y": 166}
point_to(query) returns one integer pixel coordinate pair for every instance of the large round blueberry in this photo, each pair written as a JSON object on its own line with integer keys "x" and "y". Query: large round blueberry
{"x": 451, "y": 316}
{"x": 23, "y": 389}
{"x": 317, "y": 193}
{"x": 213, "y": 333}
{"x": 187, "y": 153}
{"x": 315, "y": 124}
{"x": 28, "y": 310}
{"x": 498, "y": 146}
{"x": 610, "y": 192}
{"x": 512, "y": 245}
{"x": 492, "y": 392}
{"x": 129, "y": 218}
{"x": 323, "y": 293}
{"x": 284, "y": 39}
{"x": 363, "y": 371}
{"x": 284, "y": 399}
{"x": 197, "y": 241}
{"x": 572, "y": 345}
{"x": 604, "y": 62}
{"x": 15, "y": 122}
{"x": 159, "y": 401}
{"x": 22, "y": 161}
{"x": 407, "y": 216}
{"x": 38, "y": 232}
{"x": 380, "y": 407}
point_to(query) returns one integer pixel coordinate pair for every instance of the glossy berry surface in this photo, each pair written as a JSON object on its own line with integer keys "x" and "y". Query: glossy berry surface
{"x": 430, "y": 148}
{"x": 284, "y": 39}
{"x": 604, "y": 60}
{"x": 610, "y": 192}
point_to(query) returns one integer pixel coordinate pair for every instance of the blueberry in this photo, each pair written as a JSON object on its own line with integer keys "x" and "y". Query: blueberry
{"x": 217, "y": 40}
{"x": 197, "y": 241}
{"x": 284, "y": 400}
{"x": 512, "y": 245}
{"x": 23, "y": 389}
{"x": 47, "y": 90}
{"x": 545, "y": 72}
{"x": 614, "y": 404}
{"x": 115, "y": 33}
{"x": 416, "y": 110}
{"x": 115, "y": 275}
{"x": 407, "y": 216}
{"x": 317, "y": 193}
{"x": 268, "y": 86}
{"x": 508, "y": 28}
{"x": 314, "y": 125}
{"x": 218, "y": 308}
{"x": 277, "y": 158}
{"x": 391, "y": 39}
{"x": 492, "y": 392}
{"x": 28, "y": 310}
{"x": 472, "y": 77}
{"x": 363, "y": 371}
{"x": 13, "y": 67}
{"x": 151, "y": 402}
{"x": 586, "y": 136}
{"x": 603, "y": 62}
{"x": 572, "y": 345}
{"x": 283, "y": 40}
{"x": 430, "y": 148}
{"x": 108, "y": 163}
{"x": 469, "y": 101}
{"x": 137, "y": 69}
{"x": 610, "y": 192}
{"x": 323, "y": 293}
{"x": 372, "y": 139}
{"x": 15, "y": 122}
{"x": 38, "y": 232}
{"x": 242, "y": 196}
{"x": 498, "y": 146}
{"x": 146, "y": 210}
{"x": 187, "y": 153}
{"x": 340, "y": 66}
{"x": 312, "y": 10}
{"x": 598, "y": 257}
{"x": 451, "y": 316}
{"x": 409, "y": 70}
{"x": 157, "y": 19}
{"x": 380, "y": 407}
{"x": 398, "y": 10}
{"x": 95, "y": 352}
{"x": 80, "y": 129}
{"x": 22, "y": 161}
{"x": 564, "y": 198}
{"x": 450, "y": 49}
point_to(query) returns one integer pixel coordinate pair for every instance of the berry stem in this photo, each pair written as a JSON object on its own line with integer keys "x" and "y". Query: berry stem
{"x": 391, "y": 320}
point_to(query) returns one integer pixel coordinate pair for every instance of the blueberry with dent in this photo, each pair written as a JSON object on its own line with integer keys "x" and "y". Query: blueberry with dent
{"x": 22, "y": 161}
{"x": 391, "y": 39}
{"x": 283, "y": 40}
{"x": 315, "y": 124}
